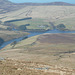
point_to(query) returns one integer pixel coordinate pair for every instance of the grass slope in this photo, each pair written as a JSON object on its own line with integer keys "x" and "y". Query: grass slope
{"x": 51, "y": 53}
{"x": 56, "y": 14}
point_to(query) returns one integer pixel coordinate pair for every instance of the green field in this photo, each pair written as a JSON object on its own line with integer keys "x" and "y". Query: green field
{"x": 42, "y": 15}
{"x": 35, "y": 23}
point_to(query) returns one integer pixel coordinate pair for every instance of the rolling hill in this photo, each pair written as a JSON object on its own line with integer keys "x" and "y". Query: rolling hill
{"x": 56, "y": 49}
{"x": 6, "y": 6}
{"x": 42, "y": 15}
{"x": 45, "y": 54}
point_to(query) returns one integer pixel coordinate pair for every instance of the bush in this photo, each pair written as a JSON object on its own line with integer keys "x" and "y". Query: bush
{"x": 61, "y": 27}
{"x": 22, "y": 27}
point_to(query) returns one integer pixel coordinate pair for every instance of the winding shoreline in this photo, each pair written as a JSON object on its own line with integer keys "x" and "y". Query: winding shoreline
{"x": 33, "y": 34}
{"x": 8, "y": 42}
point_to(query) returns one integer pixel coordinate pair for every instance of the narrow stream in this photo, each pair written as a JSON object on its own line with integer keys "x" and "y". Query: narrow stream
{"x": 33, "y": 34}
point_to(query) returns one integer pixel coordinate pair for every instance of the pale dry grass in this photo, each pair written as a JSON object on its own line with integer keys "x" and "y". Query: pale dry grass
{"x": 51, "y": 53}
{"x": 47, "y": 12}
{"x": 19, "y": 67}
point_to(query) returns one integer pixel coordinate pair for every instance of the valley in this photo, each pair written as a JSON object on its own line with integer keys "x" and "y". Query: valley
{"x": 37, "y": 38}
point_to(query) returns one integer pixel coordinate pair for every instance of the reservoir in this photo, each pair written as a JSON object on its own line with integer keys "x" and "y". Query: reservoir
{"x": 55, "y": 31}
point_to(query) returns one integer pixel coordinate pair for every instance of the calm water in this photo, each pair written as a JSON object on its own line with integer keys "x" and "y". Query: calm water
{"x": 8, "y": 42}
{"x": 33, "y": 34}
{"x": 50, "y": 31}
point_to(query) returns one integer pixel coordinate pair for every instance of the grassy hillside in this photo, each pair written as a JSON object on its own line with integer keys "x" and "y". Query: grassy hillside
{"x": 43, "y": 15}
{"x": 32, "y": 49}
{"x": 7, "y": 6}
{"x": 47, "y": 12}
{"x": 47, "y": 54}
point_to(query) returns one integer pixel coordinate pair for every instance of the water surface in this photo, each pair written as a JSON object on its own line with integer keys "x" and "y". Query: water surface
{"x": 33, "y": 34}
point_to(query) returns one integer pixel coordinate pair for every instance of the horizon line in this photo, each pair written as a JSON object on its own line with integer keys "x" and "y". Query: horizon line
{"x": 41, "y": 2}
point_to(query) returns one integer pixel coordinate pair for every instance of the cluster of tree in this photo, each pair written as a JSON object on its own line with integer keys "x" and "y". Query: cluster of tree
{"x": 22, "y": 27}
{"x": 61, "y": 27}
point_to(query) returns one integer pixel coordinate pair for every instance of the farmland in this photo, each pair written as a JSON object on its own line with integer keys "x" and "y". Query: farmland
{"x": 42, "y": 15}
{"x": 33, "y": 23}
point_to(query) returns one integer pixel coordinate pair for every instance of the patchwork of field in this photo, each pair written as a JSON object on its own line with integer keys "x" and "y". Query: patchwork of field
{"x": 43, "y": 15}
{"x": 33, "y": 23}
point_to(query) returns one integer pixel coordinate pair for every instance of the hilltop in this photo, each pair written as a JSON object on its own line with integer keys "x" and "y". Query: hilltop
{"x": 6, "y": 6}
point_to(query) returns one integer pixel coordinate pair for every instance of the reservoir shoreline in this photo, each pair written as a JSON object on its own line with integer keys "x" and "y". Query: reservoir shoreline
{"x": 34, "y": 34}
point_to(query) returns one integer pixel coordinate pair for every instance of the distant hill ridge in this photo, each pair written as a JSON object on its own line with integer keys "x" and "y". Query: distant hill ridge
{"x": 51, "y": 3}
{"x": 7, "y": 6}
